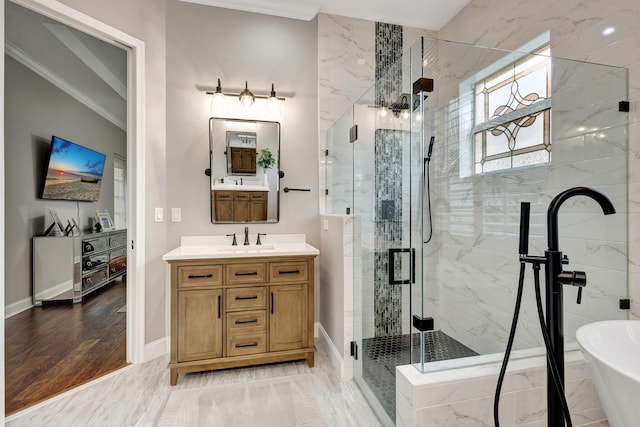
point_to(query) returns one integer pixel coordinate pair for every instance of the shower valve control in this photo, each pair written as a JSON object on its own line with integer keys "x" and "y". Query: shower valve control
{"x": 574, "y": 278}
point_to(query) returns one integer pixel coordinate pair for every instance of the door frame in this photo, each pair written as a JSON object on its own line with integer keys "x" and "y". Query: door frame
{"x": 135, "y": 332}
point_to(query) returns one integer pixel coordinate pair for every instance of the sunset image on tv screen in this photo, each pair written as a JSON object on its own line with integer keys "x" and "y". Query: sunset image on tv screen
{"x": 74, "y": 173}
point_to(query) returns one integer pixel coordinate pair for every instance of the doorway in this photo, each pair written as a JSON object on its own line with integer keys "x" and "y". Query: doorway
{"x": 134, "y": 312}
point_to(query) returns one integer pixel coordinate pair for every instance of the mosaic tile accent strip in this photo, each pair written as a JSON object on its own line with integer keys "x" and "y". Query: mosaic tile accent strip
{"x": 388, "y": 230}
{"x": 388, "y": 182}
{"x": 388, "y": 63}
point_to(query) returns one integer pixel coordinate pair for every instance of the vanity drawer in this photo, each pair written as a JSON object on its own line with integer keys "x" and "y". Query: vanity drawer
{"x": 258, "y": 195}
{"x": 246, "y": 321}
{"x": 223, "y": 195}
{"x": 292, "y": 271}
{"x": 241, "y": 195}
{"x": 245, "y": 273}
{"x": 199, "y": 276}
{"x": 238, "y": 345}
{"x": 246, "y": 298}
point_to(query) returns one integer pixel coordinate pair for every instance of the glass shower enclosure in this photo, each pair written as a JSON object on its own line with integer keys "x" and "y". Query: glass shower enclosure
{"x": 433, "y": 161}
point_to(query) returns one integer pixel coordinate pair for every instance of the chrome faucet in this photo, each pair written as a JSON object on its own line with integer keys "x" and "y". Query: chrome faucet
{"x": 246, "y": 236}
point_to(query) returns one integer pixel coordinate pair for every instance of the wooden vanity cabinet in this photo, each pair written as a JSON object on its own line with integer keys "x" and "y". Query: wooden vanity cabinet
{"x": 240, "y": 311}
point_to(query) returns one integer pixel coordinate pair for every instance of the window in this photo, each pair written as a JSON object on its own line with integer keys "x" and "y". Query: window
{"x": 513, "y": 115}
{"x": 119, "y": 192}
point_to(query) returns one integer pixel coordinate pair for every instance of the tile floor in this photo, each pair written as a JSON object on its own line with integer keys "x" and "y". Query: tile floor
{"x": 137, "y": 395}
{"x": 381, "y": 355}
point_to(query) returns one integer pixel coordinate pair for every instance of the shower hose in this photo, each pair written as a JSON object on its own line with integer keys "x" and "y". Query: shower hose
{"x": 547, "y": 343}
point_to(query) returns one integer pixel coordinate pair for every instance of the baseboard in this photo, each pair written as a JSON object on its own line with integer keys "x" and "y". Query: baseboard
{"x": 334, "y": 354}
{"x": 17, "y": 307}
{"x": 156, "y": 348}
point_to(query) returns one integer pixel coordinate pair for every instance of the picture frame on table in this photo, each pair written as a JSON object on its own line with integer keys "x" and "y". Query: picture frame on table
{"x": 104, "y": 219}
{"x": 57, "y": 228}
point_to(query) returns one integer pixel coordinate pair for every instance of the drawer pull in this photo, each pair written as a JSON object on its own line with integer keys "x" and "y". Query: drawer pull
{"x": 251, "y": 273}
{"x": 289, "y": 272}
{"x": 201, "y": 276}
{"x": 244, "y": 322}
{"x": 219, "y": 305}
{"x": 253, "y": 344}
{"x": 251, "y": 297}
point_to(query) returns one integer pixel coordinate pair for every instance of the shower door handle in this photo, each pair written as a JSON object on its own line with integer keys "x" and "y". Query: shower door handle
{"x": 392, "y": 271}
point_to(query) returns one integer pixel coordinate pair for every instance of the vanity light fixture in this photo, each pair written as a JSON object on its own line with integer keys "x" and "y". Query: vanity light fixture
{"x": 218, "y": 93}
{"x": 246, "y": 97}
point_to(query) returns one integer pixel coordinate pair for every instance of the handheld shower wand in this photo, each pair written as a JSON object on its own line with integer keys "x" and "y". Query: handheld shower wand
{"x": 427, "y": 179}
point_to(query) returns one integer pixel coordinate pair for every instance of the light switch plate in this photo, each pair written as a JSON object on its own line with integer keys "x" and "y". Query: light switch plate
{"x": 158, "y": 216}
{"x": 176, "y": 215}
{"x": 325, "y": 224}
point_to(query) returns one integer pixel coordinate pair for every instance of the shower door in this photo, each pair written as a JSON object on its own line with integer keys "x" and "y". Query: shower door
{"x": 387, "y": 137}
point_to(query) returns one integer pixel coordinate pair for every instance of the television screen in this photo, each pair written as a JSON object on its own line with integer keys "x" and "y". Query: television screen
{"x": 74, "y": 172}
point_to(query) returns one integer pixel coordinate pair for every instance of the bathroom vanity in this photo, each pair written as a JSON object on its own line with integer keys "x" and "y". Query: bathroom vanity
{"x": 240, "y": 305}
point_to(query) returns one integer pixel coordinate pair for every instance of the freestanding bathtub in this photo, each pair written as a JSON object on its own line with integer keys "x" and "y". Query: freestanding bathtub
{"x": 612, "y": 352}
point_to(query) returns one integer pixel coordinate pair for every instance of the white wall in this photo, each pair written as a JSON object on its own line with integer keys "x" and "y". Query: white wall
{"x": 36, "y": 110}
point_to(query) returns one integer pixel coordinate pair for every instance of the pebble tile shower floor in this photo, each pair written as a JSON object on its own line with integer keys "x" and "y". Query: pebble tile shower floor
{"x": 381, "y": 355}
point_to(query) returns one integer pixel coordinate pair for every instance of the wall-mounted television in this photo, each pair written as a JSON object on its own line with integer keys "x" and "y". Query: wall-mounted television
{"x": 74, "y": 172}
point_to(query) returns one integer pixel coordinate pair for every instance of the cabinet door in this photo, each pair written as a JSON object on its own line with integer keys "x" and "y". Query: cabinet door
{"x": 199, "y": 324}
{"x": 241, "y": 206}
{"x": 258, "y": 206}
{"x": 223, "y": 206}
{"x": 288, "y": 323}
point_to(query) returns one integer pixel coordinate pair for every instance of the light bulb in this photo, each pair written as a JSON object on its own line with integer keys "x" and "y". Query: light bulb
{"x": 246, "y": 97}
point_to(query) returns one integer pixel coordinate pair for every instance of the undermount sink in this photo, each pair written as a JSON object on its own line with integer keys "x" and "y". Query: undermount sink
{"x": 220, "y": 247}
{"x": 245, "y": 249}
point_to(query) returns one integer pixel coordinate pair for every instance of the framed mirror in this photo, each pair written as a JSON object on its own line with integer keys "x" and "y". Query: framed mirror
{"x": 245, "y": 166}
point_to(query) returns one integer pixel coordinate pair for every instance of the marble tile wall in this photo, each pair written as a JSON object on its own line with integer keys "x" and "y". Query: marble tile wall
{"x": 464, "y": 397}
{"x": 347, "y": 73}
{"x": 576, "y": 30}
{"x": 473, "y": 259}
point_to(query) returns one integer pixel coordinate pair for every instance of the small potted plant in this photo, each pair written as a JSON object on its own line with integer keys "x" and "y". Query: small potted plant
{"x": 266, "y": 160}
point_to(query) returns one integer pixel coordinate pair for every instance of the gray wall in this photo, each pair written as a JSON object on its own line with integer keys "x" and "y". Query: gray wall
{"x": 195, "y": 45}
{"x": 146, "y": 21}
{"x": 332, "y": 279}
{"x": 206, "y": 43}
{"x": 35, "y": 110}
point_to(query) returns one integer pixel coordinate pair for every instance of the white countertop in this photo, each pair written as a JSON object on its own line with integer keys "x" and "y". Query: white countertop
{"x": 218, "y": 247}
{"x": 243, "y": 187}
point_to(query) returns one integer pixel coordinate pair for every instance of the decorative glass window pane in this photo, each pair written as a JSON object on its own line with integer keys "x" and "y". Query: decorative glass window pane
{"x": 513, "y": 115}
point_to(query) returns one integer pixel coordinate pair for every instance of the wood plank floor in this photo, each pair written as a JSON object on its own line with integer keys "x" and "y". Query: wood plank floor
{"x": 49, "y": 350}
